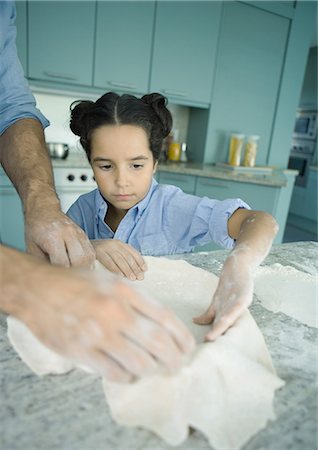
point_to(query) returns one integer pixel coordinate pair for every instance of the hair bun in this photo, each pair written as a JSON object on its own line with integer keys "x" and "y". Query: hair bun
{"x": 159, "y": 103}
{"x": 79, "y": 109}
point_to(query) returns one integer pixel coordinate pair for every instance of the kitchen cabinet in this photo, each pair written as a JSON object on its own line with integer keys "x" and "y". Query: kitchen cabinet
{"x": 184, "y": 50}
{"x": 303, "y": 211}
{"x": 247, "y": 81}
{"x": 257, "y": 196}
{"x": 11, "y": 215}
{"x": 61, "y": 41}
{"x": 123, "y": 45}
{"x": 21, "y": 40}
{"x": 185, "y": 182}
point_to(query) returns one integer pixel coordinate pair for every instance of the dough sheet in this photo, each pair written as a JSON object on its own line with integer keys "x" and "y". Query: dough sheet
{"x": 225, "y": 389}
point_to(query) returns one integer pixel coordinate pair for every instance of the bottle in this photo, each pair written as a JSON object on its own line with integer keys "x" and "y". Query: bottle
{"x": 183, "y": 155}
{"x": 250, "y": 151}
{"x": 235, "y": 149}
{"x": 174, "y": 148}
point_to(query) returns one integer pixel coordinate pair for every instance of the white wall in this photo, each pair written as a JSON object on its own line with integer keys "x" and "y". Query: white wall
{"x": 56, "y": 108}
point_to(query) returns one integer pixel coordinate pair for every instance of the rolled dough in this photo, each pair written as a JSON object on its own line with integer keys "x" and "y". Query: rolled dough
{"x": 225, "y": 389}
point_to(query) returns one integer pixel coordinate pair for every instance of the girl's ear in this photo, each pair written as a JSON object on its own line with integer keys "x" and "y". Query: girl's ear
{"x": 155, "y": 167}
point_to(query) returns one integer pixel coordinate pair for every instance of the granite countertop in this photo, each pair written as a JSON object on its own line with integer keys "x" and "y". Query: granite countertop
{"x": 276, "y": 178}
{"x": 69, "y": 412}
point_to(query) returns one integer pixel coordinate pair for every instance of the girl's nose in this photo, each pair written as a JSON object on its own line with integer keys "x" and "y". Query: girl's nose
{"x": 122, "y": 177}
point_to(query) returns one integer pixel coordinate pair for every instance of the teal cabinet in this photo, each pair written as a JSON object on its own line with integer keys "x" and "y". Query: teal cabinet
{"x": 123, "y": 45}
{"x": 61, "y": 41}
{"x": 11, "y": 215}
{"x": 304, "y": 199}
{"x": 184, "y": 50}
{"x": 21, "y": 40}
{"x": 258, "y": 197}
{"x": 185, "y": 182}
{"x": 247, "y": 81}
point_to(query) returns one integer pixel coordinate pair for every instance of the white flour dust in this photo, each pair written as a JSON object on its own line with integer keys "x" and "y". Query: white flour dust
{"x": 287, "y": 290}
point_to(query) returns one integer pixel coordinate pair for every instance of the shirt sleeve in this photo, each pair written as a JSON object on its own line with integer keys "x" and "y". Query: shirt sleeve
{"x": 195, "y": 221}
{"x": 16, "y": 99}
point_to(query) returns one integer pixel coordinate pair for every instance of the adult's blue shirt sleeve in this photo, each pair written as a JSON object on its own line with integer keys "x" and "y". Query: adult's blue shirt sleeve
{"x": 16, "y": 99}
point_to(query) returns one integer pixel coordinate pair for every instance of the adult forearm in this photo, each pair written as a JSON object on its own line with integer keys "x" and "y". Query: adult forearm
{"x": 16, "y": 270}
{"x": 26, "y": 161}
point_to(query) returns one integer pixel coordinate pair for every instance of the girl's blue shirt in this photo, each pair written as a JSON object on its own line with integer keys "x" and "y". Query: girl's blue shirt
{"x": 166, "y": 221}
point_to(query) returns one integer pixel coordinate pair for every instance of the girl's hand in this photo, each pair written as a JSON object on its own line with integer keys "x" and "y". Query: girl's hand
{"x": 233, "y": 296}
{"x": 120, "y": 258}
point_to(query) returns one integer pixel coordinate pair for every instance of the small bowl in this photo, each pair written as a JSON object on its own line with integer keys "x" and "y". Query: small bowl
{"x": 58, "y": 150}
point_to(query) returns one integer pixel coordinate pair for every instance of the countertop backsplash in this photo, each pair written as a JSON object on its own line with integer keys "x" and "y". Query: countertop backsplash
{"x": 56, "y": 108}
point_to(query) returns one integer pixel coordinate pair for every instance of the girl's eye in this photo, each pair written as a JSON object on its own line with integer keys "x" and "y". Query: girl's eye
{"x": 105, "y": 167}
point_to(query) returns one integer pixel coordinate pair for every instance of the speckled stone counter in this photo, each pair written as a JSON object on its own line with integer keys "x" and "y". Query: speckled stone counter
{"x": 275, "y": 178}
{"x": 69, "y": 412}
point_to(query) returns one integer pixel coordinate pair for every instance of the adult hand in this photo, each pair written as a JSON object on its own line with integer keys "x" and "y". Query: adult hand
{"x": 50, "y": 234}
{"x": 101, "y": 322}
{"x": 232, "y": 297}
{"x": 120, "y": 258}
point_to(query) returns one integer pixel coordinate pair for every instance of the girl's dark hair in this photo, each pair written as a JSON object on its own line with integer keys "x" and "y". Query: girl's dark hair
{"x": 150, "y": 113}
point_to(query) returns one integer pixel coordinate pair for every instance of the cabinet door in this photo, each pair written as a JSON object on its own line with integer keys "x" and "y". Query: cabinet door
{"x": 61, "y": 41}
{"x": 249, "y": 67}
{"x": 123, "y": 45}
{"x": 184, "y": 50}
{"x": 256, "y": 196}
{"x": 21, "y": 41}
{"x": 184, "y": 182}
{"x": 11, "y": 215}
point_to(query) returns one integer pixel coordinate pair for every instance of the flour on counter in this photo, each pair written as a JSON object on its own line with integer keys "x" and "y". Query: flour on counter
{"x": 287, "y": 290}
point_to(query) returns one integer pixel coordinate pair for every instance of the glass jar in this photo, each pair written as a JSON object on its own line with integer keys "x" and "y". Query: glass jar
{"x": 250, "y": 151}
{"x": 236, "y": 143}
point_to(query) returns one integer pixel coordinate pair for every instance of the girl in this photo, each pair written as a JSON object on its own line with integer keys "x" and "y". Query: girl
{"x": 131, "y": 213}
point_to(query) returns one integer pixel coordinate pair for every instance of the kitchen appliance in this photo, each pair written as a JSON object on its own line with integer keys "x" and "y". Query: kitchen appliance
{"x": 303, "y": 144}
{"x": 71, "y": 183}
{"x": 305, "y": 125}
{"x": 300, "y": 159}
{"x": 58, "y": 150}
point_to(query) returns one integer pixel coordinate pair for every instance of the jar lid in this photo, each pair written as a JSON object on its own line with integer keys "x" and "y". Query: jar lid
{"x": 254, "y": 137}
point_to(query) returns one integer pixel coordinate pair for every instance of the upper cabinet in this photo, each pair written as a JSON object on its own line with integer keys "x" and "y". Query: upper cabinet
{"x": 21, "y": 23}
{"x": 185, "y": 43}
{"x": 61, "y": 41}
{"x": 249, "y": 68}
{"x": 123, "y": 45}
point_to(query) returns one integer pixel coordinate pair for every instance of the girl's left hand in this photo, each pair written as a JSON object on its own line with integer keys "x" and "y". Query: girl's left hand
{"x": 233, "y": 296}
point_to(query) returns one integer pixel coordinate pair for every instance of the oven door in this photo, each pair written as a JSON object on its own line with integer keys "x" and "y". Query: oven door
{"x": 301, "y": 163}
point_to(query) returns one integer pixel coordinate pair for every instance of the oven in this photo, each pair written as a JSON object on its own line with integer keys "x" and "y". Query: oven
{"x": 71, "y": 183}
{"x": 300, "y": 159}
{"x": 305, "y": 124}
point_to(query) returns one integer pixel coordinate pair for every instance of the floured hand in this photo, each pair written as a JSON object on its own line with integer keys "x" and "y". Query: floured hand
{"x": 233, "y": 296}
{"x": 99, "y": 321}
{"x": 254, "y": 232}
{"x": 121, "y": 258}
{"x": 51, "y": 235}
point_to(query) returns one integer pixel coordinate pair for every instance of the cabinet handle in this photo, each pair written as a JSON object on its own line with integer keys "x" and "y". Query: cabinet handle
{"x": 175, "y": 93}
{"x": 64, "y": 76}
{"x": 210, "y": 183}
{"x": 177, "y": 179}
{"x": 122, "y": 85}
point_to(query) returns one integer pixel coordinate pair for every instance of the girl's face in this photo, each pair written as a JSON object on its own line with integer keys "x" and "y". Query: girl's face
{"x": 123, "y": 164}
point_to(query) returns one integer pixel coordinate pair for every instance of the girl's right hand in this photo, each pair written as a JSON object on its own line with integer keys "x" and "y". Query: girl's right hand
{"x": 120, "y": 258}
